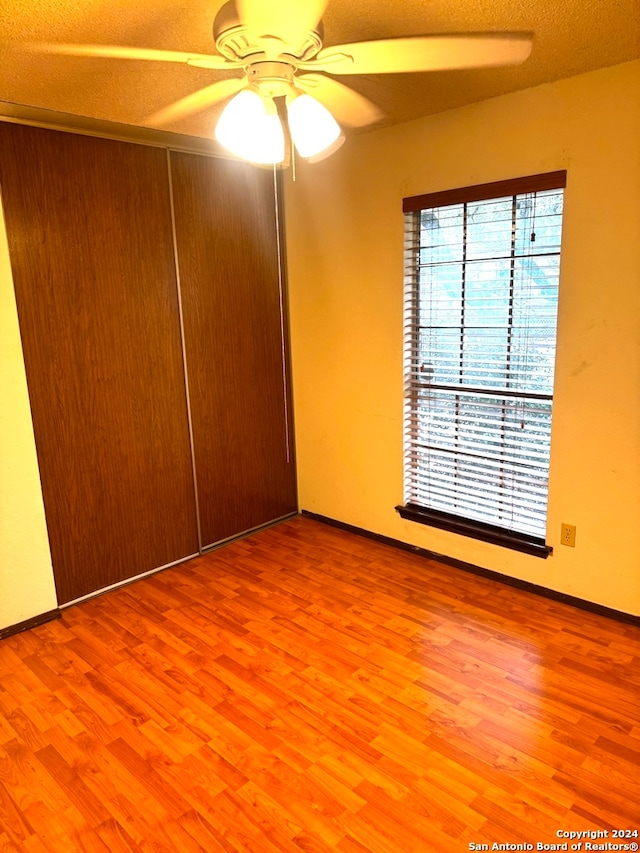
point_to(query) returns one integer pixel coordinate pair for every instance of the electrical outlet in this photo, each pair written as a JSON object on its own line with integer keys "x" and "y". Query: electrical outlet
{"x": 568, "y": 535}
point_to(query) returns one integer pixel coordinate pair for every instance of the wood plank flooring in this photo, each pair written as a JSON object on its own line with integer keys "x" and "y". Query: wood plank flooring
{"x": 307, "y": 689}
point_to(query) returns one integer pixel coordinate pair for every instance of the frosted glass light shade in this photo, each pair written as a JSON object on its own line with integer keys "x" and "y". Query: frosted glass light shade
{"x": 249, "y": 129}
{"x": 313, "y": 128}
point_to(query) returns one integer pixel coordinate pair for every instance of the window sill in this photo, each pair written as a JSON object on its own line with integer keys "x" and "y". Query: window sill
{"x": 532, "y": 545}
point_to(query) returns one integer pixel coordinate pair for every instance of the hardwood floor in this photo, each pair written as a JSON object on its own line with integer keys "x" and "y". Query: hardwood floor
{"x": 307, "y": 689}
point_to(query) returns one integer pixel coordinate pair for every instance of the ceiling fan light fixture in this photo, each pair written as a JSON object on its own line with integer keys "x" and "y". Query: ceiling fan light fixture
{"x": 249, "y": 127}
{"x": 314, "y": 130}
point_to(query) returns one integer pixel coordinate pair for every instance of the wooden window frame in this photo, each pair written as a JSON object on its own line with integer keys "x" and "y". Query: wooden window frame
{"x": 524, "y": 542}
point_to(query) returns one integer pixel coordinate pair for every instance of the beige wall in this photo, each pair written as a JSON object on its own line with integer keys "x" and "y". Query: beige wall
{"x": 26, "y": 577}
{"x": 344, "y": 245}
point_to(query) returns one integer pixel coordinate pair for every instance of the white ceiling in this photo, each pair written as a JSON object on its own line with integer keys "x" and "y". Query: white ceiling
{"x": 571, "y": 37}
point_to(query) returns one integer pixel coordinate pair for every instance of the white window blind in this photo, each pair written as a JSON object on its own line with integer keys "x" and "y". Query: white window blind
{"x": 481, "y": 297}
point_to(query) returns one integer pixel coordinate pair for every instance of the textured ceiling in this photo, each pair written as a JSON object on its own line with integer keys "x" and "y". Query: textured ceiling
{"x": 571, "y": 37}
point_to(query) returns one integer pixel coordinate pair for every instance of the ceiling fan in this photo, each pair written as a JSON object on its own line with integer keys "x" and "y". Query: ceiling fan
{"x": 286, "y": 91}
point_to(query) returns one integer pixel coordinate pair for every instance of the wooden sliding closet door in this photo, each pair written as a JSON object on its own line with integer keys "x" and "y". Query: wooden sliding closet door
{"x": 233, "y": 324}
{"x": 90, "y": 240}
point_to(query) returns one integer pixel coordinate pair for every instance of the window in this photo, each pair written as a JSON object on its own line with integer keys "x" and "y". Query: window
{"x": 481, "y": 297}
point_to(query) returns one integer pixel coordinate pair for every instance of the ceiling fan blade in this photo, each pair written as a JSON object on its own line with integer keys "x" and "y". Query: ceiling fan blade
{"x": 424, "y": 53}
{"x": 197, "y": 101}
{"x": 286, "y": 20}
{"x": 112, "y": 51}
{"x": 348, "y": 107}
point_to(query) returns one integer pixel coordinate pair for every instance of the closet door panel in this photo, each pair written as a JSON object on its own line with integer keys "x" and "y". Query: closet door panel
{"x": 233, "y": 326}
{"x": 90, "y": 240}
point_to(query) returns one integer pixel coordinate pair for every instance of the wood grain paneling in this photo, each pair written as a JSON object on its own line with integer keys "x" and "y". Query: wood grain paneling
{"x": 228, "y": 263}
{"x": 89, "y": 228}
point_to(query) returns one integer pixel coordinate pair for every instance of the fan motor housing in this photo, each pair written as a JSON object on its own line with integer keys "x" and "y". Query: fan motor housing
{"x": 233, "y": 40}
